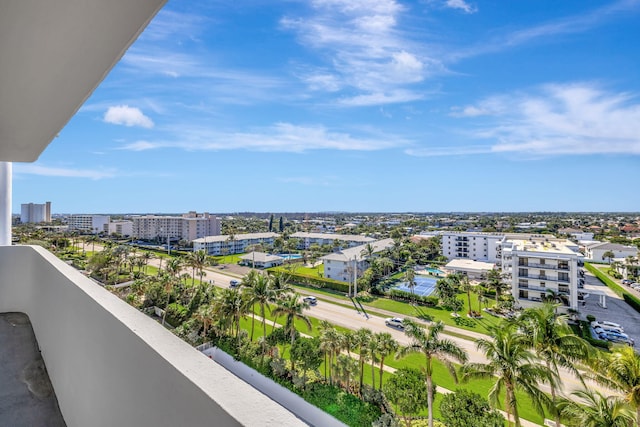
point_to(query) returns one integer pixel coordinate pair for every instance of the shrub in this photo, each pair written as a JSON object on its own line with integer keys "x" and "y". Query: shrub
{"x": 591, "y": 318}
{"x": 631, "y": 299}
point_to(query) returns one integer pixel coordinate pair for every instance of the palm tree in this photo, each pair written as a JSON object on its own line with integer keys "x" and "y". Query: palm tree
{"x": 608, "y": 255}
{"x": 494, "y": 282}
{"x": 260, "y": 292}
{"x": 596, "y": 410}
{"x": 512, "y": 366}
{"x": 386, "y": 346}
{"x": 410, "y": 278}
{"x": 363, "y": 338}
{"x": 621, "y": 371}
{"x": 345, "y": 367}
{"x": 554, "y": 343}
{"x": 230, "y": 306}
{"x": 428, "y": 342}
{"x": 467, "y": 287}
{"x": 204, "y": 315}
{"x": 292, "y": 308}
{"x": 331, "y": 344}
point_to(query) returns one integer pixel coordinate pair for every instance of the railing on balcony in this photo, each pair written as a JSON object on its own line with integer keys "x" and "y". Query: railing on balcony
{"x": 111, "y": 365}
{"x": 544, "y": 277}
{"x": 544, "y": 266}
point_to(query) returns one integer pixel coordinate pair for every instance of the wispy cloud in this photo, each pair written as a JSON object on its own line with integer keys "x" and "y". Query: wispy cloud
{"x": 127, "y": 116}
{"x": 549, "y": 30}
{"x": 280, "y": 137}
{"x": 461, "y": 5}
{"x": 558, "y": 119}
{"x": 364, "y": 49}
{"x": 35, "y": 169}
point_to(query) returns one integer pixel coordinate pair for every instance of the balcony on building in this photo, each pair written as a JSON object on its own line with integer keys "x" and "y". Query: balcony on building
{"x": 95, "y": 360}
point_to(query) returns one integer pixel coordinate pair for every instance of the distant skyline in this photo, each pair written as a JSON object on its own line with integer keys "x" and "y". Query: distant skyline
{"x": 359, "y": 106}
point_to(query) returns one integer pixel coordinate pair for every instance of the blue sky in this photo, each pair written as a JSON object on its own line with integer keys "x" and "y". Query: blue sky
{"x": 359, "y": 105}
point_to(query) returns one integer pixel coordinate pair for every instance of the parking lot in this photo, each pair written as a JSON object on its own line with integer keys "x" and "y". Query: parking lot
{"x": 617, "y": 310}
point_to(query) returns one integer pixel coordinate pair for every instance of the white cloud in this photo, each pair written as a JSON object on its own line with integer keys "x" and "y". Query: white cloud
{"x": 280, "y": 137}
{"x": 365, "y": 49}
{"x": 462, "y": 5}
{"x": 35, "y": 169}
{"x": 568, "y": 119}
{"x": 128, "y": 116}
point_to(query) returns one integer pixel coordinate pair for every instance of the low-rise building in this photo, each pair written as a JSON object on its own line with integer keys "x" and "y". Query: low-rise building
{"x": 261, "y": 260}
{"x": 470, "y": 268}
{"x": 596, "y": 251}
{"x": 350, "y": 263}
{"x": 89, "y": 223}
{"x": 122, "y": 228}
{"x": 232, "y": 244}
{"x": 345, "y": 240}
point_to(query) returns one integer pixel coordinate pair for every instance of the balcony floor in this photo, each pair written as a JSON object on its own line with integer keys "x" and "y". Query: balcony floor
{"x": 26, "y": 395}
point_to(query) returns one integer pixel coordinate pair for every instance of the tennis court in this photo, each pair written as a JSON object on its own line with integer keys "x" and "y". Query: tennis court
{"x": 425, "y": 286}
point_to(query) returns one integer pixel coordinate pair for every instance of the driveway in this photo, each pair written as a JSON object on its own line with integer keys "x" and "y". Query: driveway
{"x": 617, "y": 310}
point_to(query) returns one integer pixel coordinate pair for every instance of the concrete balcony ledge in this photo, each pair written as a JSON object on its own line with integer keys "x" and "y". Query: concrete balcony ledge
{"x": 111, "y": 365}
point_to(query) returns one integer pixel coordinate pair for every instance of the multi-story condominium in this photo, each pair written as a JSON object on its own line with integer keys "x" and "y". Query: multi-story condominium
{"x": 190, "y": 226}
{"x": 122, "y": 228}
{"x": 133, "y": 363}
{"x": 478, "y": 246}
{"x": 232, "y": 244}
{"x": 345, "y": 240}
{"x": 350, "y": 263}
{"x": 596, "y": 251}
{"x": 540, "y": 269}
{"x": 87, "y": 223}
{"x": 35, "y": 212}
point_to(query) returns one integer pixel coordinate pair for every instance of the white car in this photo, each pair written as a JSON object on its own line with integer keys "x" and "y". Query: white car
{"x": 310, "y": 300}
{"x": 600, "y": 329}
{"x": 604, "y": 324}
{"x": 394, "y": 322}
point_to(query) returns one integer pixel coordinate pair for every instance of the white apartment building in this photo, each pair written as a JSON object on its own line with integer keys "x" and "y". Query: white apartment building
{"x": 190, "y": 226}
{"x": 35, "y": 212}
{"x": 346, "y": 240}
{"x": 479, "y": 246}
{"x": 540, "y": 269}
{"x": 88, "y": 223}
{"x": 595, "y": 251}
{"x": 347, "y": 263}
{"x": 224, "y": 245}
{"x": 122, "y": 228}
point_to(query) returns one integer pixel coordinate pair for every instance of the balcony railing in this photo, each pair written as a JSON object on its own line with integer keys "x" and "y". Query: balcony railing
{"x": 111, "y": 365}
{"x": 543, "y": 277}
{"x": 545, "y": 266}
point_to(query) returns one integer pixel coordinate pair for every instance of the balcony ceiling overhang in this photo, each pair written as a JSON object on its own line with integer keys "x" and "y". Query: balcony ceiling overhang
{"x": 53, "y": 54}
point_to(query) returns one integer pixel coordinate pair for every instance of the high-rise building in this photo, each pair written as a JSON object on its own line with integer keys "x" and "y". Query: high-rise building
{"x": 35, "y": 212}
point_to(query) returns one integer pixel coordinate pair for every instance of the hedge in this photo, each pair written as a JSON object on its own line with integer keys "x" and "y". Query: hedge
{"x": 630, "y": 299}
{"x": 429, "y": 301}
{"x": 318, "y": 282}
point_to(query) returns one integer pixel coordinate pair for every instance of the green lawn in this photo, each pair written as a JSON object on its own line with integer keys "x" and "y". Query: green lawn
{"x": 299, "y": 268}
{"x": 435, "y": 313}
{"x": 227, "y": 259}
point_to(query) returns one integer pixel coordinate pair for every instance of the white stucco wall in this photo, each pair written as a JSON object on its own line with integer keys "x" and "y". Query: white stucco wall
{"x": 111, "y": 365}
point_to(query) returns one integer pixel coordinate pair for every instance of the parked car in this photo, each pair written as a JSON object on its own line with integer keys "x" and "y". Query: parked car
{"x": 234, "y": 284}
{"x": 606, "y": 324}
{"x": 627, "y": 282}
{"x": 606, "y": 329}
{"x": 635, "y": 286}
{"x": 620, "y": 338}
{"x": 394, "y": 322}
{"x": 310, "y": 300}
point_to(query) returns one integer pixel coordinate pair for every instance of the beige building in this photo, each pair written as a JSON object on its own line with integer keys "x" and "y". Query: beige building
{"x": 190, "y": 226}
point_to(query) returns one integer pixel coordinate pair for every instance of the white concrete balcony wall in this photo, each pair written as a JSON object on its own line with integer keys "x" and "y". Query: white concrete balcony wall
{"x": 111, "y": 365}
